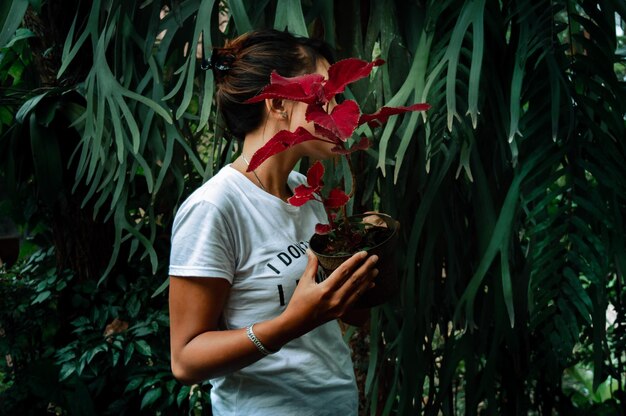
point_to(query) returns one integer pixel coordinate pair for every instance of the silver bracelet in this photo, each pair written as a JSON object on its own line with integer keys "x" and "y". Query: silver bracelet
{"x": 258, "y": 344}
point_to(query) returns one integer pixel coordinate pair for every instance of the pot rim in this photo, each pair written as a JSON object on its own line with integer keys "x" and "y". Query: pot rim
{"x": 380, "y": 214}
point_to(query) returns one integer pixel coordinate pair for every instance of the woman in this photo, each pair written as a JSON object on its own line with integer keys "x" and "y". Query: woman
{"x": 246, "y": 310}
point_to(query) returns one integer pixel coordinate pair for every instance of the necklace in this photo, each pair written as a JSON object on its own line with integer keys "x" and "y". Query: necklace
{"x": 253, "y": 172}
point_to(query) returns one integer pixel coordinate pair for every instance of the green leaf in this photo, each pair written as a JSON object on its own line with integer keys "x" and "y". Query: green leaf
{"x": 134, "y": 384}
{"x": 507, "y": 286}
{"x": 143, "y": 348}
{"x": 41, "y": 297}
{"x": 28, "y": 106}
{"x": 289, "y": 16}
{"x": 161, "y": 288}
{"x": 206, "y": 100}
{"x": 373, "y": 355}
{"x": 67, "y": 370}
{"x": 6, "y": 116}
{"x": 477, "y": 57}
{"x": 150, "y": 397}
{"x": 69, "y": 51}
{"x": 95, "y": 351}
{"x": 115, "y": 357}
{"x": 128, "y": 352}
{"x": 150, "y": 103}
{"x": 11, "y": 14}
{"x": 20, "y": 34}
{"x": 183, "y": 394}
{"x": 81, "y": 321}
{"x": 240, "y": 16}
{"x": 453, "y": 53}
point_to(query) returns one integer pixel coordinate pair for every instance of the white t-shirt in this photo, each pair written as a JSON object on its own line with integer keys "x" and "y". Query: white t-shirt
{"x": 229, "y": 228}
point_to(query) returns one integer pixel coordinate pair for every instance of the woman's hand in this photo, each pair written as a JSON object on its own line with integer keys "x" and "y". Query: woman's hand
{"x": 314, "y": 304}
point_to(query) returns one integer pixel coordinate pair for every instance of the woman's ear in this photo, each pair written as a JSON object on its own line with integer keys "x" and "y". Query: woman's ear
{"x": 276, "y": 108}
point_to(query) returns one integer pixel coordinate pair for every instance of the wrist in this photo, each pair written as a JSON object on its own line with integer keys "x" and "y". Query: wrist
{"x": 257, "y": 342}
{"x": 274, "y": 333}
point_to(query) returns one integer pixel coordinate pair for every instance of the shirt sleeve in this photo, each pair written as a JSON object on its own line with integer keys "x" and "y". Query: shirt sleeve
{"x": 202, "y": 244}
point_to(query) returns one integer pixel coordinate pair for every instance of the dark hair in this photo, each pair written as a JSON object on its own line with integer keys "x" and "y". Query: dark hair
{"x": 248, "y": 62}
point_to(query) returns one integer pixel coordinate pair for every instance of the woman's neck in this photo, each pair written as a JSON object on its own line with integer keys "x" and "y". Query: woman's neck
{"x": 273, "y": 173}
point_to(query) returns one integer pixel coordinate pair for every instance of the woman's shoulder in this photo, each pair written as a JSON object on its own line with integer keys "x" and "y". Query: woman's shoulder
{"x": 219, "y": 191}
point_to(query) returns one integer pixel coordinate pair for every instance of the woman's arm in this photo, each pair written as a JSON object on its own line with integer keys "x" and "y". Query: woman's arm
{"x": 201, "y": 351}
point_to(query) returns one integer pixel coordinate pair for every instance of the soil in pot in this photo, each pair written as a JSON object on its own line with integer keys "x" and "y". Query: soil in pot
{"x": 332, "y": 250}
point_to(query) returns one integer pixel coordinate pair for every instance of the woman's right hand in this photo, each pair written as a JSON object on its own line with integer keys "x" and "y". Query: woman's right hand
{"x": 314, "y": 304}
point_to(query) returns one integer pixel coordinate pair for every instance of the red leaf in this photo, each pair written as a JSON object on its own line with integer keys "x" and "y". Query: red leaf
{"x": 282, "y": 140}
{"x": 345, "y": 72}
{"x": 328, "y": 134}
{"x": 342, "y": 120}
{"x": 323, "y": 229}
{"x": 305, "y": 88}
{"x": 301, "y": 195}
{"x": 336, "y": 199}
{"x": 363, "y": 144}
{"x": 304, "y": 193}
{"x": 378, "y": 118}
{"x": 314, "y": 175}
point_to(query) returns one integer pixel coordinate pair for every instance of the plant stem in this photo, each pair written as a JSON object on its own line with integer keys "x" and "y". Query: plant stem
{"x": 353, "y": 185}
{"x": 344, "y": 214}
{"x": 328, "y": 213}
{"x": 351, "y": 194}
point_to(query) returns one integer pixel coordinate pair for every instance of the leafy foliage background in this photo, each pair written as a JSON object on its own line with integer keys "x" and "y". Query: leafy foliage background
{"x": 510, "y": 192}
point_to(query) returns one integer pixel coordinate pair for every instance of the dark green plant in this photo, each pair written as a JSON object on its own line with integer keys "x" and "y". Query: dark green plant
{"x": 82, "y": 350}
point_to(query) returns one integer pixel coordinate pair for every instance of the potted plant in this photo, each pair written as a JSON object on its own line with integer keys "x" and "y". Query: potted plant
{"x": 343, "y": 235}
